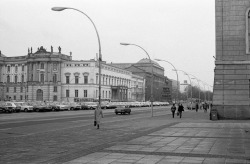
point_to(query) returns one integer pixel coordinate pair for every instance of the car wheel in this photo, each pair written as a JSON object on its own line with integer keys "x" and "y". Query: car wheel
{"x": 71, "y": 108}
{"x": 129, "y": 113}
{"x": 25, "y": 110}
{"x": 116, "y": 113}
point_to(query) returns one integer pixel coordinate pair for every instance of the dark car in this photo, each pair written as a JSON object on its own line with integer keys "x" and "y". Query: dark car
{"x": 42, "y": 107}
{"x": 122, "y": 109}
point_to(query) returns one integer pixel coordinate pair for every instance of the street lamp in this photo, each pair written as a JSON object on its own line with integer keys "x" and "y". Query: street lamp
{"x": 99, "y": 43}
{"x": 152, "y": 75}
{"x": 177, "y": 91}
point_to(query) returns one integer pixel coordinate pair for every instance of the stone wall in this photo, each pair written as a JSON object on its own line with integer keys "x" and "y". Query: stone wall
{"x": 232, "y": 66}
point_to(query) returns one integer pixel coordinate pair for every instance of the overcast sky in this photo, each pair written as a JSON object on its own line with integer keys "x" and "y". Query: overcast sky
{"x": 179, "y": 31}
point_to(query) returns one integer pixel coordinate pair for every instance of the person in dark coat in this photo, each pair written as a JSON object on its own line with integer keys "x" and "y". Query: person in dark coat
{"x": 173, "y": 109}
{"x": 196, "y": 106}
{"x": 180, "y": 110}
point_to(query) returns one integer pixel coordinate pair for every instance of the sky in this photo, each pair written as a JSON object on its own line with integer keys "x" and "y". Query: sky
{"x": 181, "y": 32}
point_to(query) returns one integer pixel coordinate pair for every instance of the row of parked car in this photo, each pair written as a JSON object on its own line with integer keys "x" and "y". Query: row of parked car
{"x": 9, "y": 107}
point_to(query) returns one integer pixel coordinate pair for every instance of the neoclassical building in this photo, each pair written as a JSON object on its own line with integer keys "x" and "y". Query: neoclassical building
{"x": 53, "y": 76}
{"x": 231, "y": 95}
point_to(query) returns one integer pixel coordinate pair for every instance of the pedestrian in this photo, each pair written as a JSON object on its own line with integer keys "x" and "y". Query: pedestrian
{"x": 196, "y": 106}
{"x": 98, "y": 116}
{"x": 180, "y": 110}
{"x": 205, "y": 107}
{"x": 173, "y": 109}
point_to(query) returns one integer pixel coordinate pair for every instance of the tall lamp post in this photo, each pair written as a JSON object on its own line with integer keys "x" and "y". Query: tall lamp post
{"x": 152, "y": 75}
{"x": 177, "y": 91}
{"x": 99, "y": 43}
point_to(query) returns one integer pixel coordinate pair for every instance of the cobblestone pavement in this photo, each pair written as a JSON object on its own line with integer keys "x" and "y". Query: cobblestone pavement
{"x": 192, "y": 139}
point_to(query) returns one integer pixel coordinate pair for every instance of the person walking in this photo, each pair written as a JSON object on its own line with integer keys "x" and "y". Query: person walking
{"x": 98, "y": 116}
{"x": 196, "y": 106}
{"x": 173, "y": 109}
{"x": 180, "y": 110}
{"x": 205, "y": 107}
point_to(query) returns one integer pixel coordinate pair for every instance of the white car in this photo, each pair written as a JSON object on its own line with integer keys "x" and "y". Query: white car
{"x": 24, "y": 107}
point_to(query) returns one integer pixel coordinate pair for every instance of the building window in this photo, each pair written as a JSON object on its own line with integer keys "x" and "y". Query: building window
{"x": 54, "y": 78}
{"x": 26, "y": 97}
{"x": 96, "y": 79}
{"x": 21, "y": 97}
{"x": 16, "y": 79}
{"x": 31, "y": 77}
{"x": 14, "y": 89}
{"x": 76, "y": 79}
{"x": 67, "y": 79}
{"x": 8, "y": 79}
{"x": 42, "y": 78}
{"x": 109, "y": 94}
{"x": 106, "y": 82}
{"x": 55, "y": 88}
{"x": 16, "y": 68}
{"x": 54, "y": 67}
{"x": 55, "y": 98}
{"x": 7, "y": 89}
{"x": 85, "y": 79}
{"x": 42, "y": 65}
{"x": 8, "y": 68}
{"x": 102, "y": 94}
{"x": 106, "y": 94}
{"x": 22, "y": 78}
{"x": 21, "y": 89}
{"x": 67, "y": 93}
{"x": 14, "y": 97}
{"x": 76, "y": 93}
{"x": 85, "y": 93}
{"x": 22, "y": 67}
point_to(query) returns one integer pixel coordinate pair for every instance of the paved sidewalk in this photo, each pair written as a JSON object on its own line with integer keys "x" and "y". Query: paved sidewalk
{"x": 192, "y": 139}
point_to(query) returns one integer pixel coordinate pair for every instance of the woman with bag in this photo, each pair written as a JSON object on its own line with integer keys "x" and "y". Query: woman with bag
{"x": 98, "y": 116}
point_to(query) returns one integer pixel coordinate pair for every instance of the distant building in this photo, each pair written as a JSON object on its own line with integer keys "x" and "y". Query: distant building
{"x": 162, "y": 86}
{"x": 231, "y": 95}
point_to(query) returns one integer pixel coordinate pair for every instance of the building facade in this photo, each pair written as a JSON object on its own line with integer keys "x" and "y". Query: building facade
{"x": 53, "y": 76}
{"x": 231, "y": 95}
{"x": 162, "y": 86}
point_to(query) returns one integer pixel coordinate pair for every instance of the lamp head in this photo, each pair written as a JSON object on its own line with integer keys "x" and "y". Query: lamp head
{"x": 124, "y": 44}
{"x": 58, "y": 8}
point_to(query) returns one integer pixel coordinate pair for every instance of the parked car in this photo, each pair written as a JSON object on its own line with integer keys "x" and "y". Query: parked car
{"x": 122, "y": 109}
{"x": 9, "y": 107}
{"x": 110, "y": 105}
{"x": 74, "y": 106}
{"x": 91, "y": 105}
{"x": 24, "y": 107}
{"x": 41, "y": 107}
{"x": 62, "y": 106}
